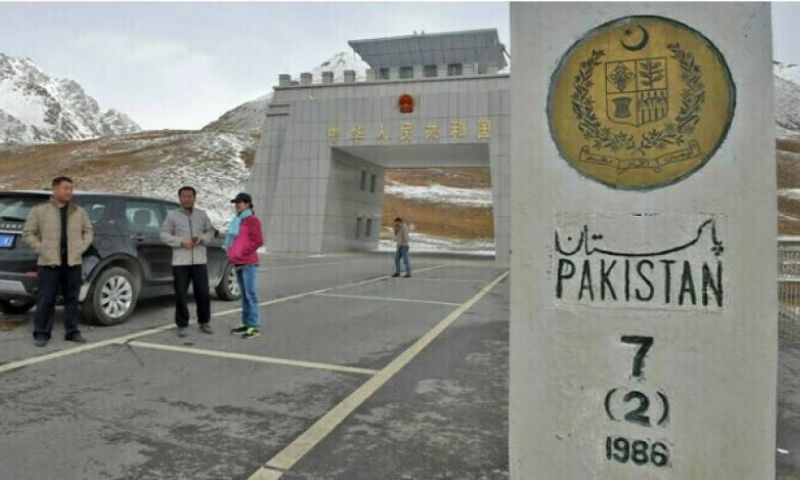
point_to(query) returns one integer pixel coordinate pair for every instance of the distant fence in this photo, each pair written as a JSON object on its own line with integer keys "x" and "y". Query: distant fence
{"x": 789, "y": 279}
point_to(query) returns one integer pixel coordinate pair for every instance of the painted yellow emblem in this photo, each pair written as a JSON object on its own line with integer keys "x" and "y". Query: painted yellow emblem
{"x": 640, "y": 102}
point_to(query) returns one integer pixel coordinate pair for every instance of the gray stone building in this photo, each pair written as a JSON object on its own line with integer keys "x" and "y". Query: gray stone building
{"x": 428, "y": 100}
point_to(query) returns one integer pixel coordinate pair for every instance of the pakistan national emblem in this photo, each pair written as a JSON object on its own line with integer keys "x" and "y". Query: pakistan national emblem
{"x": 640, "y": 102}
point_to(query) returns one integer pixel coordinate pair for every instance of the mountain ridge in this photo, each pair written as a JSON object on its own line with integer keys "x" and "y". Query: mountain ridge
{"x": 38, "y": 108}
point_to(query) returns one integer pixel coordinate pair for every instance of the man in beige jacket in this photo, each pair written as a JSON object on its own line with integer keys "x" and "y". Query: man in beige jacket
{"x": 59, "y": 231}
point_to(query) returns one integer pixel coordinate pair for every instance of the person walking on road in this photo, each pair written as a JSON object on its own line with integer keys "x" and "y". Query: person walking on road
{"x": 401, "y": 240}
{"x": 59, "y": 231}
{"x": 242, "y": 242}
{"x": 188, "y": 230}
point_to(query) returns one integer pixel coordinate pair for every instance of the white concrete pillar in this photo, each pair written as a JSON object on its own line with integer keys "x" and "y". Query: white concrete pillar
{"x": 327, "y": 77}
{"x": 643, "y": 281}
{"x": 349, "y": 76}
{"x": 284, "y": 80}
{"x": 305, "y": 79}
{"x": 370, "y": 74}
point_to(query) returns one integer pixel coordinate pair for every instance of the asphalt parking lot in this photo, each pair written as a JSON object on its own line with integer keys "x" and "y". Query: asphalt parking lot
{"x": 356, "y": 376}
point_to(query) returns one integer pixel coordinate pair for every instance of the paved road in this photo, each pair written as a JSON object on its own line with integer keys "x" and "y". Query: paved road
{"x": 357, "y": 376}
{"x": 788, "y": 438}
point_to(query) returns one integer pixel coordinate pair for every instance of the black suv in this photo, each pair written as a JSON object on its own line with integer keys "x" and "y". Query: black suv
{"x": 127, "y": 260}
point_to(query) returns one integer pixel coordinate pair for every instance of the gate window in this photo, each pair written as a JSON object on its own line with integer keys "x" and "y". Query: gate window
{"x": 430, "y": 71}
{"x": 363, "y": 184}
{"x": 372, "y": 181}
{"x": 406, "y": 72}
{"x": 368, "y": 231}
{"x": 359, "y": 221}
{"x": 454, "y": 69}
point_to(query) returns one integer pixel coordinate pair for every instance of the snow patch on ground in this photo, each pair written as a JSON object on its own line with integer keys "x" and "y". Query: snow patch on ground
{"x": 789, "y": 193}
{"x": 436, "y": 193}
{"x": 421, "y": 242}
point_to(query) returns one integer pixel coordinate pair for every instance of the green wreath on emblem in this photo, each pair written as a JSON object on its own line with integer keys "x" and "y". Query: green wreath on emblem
{"x": 692, "y": 99}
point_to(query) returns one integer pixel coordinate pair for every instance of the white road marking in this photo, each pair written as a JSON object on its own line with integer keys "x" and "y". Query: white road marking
{"x": 387, "y": 299}
{"x": 82, "y": 348}
{"x": 447, "y": 280}
{"x": 783, "y": 451}
{"x": 302, "y": 265}
{"x": 296, "y": 450}
{"x": 265, "y": 473}
{"x": 252, "y": 358}
{"x": 151, "y": 331}
{"x": 317, "y": 292}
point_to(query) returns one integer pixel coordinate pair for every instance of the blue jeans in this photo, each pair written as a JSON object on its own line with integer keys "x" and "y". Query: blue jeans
{"x": 402, "y": 254}
{"x": 247, "y": 276}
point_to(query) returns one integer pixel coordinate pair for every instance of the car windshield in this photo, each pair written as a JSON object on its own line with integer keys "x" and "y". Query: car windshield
{"x": 17, "y": 208}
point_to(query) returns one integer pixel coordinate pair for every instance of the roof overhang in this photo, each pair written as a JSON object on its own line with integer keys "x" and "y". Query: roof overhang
{"x": 471, "y": 46}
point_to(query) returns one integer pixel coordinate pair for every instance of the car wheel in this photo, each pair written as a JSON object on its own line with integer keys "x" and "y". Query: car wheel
{"x": 228, "y": 288}
{"x": 16, "y": 307}
{"x": 112, "y": 297}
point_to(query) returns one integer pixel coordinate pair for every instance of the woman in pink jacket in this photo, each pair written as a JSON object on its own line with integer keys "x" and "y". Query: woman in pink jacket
{"x": 242, "y": 242}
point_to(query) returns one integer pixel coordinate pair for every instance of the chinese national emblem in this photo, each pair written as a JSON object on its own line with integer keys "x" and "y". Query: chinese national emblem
{"x": 640, "y": 103}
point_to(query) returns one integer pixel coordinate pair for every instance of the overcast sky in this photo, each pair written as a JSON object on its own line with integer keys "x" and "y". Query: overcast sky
{"x": 181, "y": 65}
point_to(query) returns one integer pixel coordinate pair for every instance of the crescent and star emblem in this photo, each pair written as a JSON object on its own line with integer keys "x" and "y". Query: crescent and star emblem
{"x": 638, "y": 46}
{"x": 640, "y": 103}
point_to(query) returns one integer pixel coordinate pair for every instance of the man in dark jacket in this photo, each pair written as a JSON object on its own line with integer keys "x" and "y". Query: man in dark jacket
{"x": 59, "y": 231}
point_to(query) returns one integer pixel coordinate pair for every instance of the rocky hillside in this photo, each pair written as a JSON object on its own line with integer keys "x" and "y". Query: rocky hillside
{"x": 787, "y": 107}
{"x": 247, "y": 117}
{"x": 37, "y": 108}
{"x": 148, "y": 163}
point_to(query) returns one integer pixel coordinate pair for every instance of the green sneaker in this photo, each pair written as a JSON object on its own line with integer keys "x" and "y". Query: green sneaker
{"x": 239, "y": 330}
{"x": 251, "y": 333}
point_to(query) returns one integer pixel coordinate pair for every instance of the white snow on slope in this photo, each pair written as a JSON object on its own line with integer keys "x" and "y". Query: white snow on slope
{"x": 338, "y": 63}
{"x": 36, "y": 108}
{"x": 436, "y": 193}
{"x": 421, "y": 242}
{"x": 789, "y": 193}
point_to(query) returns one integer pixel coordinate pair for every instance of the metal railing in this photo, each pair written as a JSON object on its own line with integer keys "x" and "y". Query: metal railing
{"x": 789, "y": 278}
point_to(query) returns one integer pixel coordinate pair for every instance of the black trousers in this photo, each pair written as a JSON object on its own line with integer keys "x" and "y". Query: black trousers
{"x": 197, "y": 275}
{"x": 50, "y": 281}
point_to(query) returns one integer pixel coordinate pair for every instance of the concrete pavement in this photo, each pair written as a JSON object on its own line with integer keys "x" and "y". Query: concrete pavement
{"x": 357, "y": 376}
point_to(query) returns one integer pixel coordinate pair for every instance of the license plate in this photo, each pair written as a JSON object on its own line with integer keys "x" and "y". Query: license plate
{"x": 6, "y": 240}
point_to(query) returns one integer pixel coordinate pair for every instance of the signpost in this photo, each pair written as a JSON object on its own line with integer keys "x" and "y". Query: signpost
{"x": 644, "y": 315}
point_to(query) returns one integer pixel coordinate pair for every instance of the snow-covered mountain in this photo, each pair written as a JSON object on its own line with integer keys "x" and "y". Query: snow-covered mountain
{"x": 787, "y": 71}
{"x": 247, "y": 117}
{"x": 787, "y": 107}
{"x": 340, "y": 62}
{"x": 37, "y": 108}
